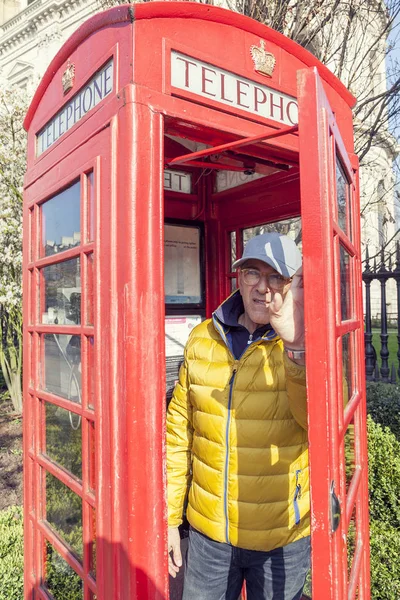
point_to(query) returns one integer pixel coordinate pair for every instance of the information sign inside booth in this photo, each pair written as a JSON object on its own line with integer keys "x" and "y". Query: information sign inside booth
{"x": 182, "y": 265}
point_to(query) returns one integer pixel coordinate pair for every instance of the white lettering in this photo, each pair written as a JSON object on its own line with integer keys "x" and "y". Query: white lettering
{"x": 206, "y": 80}
{"x": 227, "y": 180}
{"x": 94, "y": 91}
{"x": 177, "y": 181}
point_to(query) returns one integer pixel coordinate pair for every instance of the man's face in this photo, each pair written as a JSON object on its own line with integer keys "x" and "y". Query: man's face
{"x": 256, "y": 298}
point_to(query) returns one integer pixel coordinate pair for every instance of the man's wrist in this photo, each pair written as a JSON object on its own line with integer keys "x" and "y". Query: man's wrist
{"x": 295, "y": 354}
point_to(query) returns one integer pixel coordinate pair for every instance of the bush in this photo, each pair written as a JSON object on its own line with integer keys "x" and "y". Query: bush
{"x": 383, "y": 404}
{"x": 385, "y": 565}
{"x": 11, "y": 554}
{"x": 384, "y": 509}
{"x": 383, "y": 475}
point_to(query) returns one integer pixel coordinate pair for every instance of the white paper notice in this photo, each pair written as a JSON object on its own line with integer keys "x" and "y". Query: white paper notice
{"x": 177, "y": 330}
{"x": 182, "y": 265}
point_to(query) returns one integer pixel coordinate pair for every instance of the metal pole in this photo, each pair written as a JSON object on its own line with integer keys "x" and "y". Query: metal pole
{"x": 370, "y": 356}
{"x": 383, "y": 277}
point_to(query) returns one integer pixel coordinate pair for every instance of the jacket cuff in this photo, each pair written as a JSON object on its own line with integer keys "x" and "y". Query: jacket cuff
{"x": 293, "y": 370}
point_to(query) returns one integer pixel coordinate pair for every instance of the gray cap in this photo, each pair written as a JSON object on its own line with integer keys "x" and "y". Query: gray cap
{"x": 276, "y": 250}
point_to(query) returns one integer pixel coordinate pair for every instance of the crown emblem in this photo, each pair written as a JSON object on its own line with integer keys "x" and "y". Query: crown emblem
{"x": 264, "y": 62}
{"x": 68, "y": 77}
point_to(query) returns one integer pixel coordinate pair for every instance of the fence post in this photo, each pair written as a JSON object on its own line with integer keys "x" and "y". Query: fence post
{"x": 396, "y": 275}
{"x": 368, "y": 276}
{"x": 383, "y": 275}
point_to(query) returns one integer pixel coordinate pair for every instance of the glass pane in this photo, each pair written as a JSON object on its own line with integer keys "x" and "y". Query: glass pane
{"x": 31, "y": 297}
{"x": 233, "y": 247}
{"x": 64, "y": 513}
{"x": 89, "y": 290}
{"x": 349, "y": 454}
{"x": 290, "y": 227}
{"x": 342, "y": 190}
{"x": 31, "y": 234}
{"x": 91, "y": 455}
{"x": 61, "y": 221}
{"x": 347, "y": 367}
{"x": 64, "y": 438}
{"x": 90, "y": 372}
{"x": 233, "y": 284}
{"x": 61, "y": 581}
{"x": 32, "y": 402}
{"x": 62, "y": 293}
{"x": 90, "y": 202}
{"x": 92, "y": 544}
{"x": 351, "y": 542}
{"x": 62, "y": 365}
{"x": 182, "y": 278}
{"x": 345, "y": 284}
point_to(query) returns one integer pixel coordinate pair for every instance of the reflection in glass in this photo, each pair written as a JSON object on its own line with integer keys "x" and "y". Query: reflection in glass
{"x": 91, "y": 455}
{"x": 342, "y": 189}
{"x": 90, "y": 372}
{"x": 345, "y": 284}
{"x": 233, "y": 246}
{"x": 289, "y": 227}
{"x": 347, "y": 367}
{"x": 89, "y": 289}
{"x": 64, "y": 438}
{"x": 92, "y": 543}
{"x": 60, "y": 579}
{"x": 90, "y": 204}
{"x": 64, "y": 513}
{"x": 62, "y": 293}
{"x": 31, "y": 247}
{"x": 61, "y": 221}
{"x": 349, "y": 454}
{"x": 62, "y": 368}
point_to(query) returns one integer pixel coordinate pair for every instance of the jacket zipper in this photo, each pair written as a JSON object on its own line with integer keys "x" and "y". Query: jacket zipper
{"x": 297, "y": 496}
{"x": 228, "y": 422}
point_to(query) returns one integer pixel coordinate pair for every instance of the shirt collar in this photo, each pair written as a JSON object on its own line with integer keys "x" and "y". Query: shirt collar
{"x": 229, "y": 312}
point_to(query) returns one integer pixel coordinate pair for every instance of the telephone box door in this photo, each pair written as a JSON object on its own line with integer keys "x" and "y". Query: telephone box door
{"x": 334, "y": 342}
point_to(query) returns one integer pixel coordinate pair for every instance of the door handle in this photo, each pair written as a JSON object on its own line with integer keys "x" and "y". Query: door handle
{"x": 335, "y": 509}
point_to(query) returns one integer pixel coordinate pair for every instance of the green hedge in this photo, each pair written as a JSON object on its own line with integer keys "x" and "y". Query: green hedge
{"x": 383, "y": 404}
{"x": 11, "y": 554}
{"x": 383, "y": 475}
{"x": 385, "y": 567}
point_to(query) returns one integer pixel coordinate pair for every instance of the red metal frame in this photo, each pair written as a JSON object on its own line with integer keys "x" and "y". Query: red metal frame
{"x": 122, "y": 140}
{"x": 191, "y": 158}
{"x": 325, "y": 328}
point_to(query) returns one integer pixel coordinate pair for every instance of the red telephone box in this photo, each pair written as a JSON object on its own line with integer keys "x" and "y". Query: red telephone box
{"x": 167, "y": 134}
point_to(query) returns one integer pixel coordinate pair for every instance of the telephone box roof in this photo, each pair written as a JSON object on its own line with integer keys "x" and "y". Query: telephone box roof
{"x": 181, "y": 10}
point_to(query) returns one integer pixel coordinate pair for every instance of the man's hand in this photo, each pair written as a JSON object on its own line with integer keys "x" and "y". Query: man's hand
{"x": 286, "y": 311}
{"x": 174, "y": 551}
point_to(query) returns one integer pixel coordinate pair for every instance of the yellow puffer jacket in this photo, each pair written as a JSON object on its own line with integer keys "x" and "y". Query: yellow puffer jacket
{"x": 237, "y": 440}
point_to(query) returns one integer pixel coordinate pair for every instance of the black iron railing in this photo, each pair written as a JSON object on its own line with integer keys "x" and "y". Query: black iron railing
{"x": 382, "y": 273}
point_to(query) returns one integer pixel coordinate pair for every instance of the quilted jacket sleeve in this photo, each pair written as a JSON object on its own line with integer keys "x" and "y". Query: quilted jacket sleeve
{"x": 296, "y": 390}
{"x": 179, "y": 446}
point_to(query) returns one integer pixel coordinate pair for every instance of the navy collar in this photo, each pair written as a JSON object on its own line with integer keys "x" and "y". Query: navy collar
{"x": 228, "y": 313}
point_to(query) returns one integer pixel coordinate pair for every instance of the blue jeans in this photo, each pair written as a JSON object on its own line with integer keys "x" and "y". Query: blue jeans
{"x": 216, "y": 571}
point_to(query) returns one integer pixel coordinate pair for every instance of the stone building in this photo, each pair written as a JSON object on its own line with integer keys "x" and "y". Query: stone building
{"x": 32, "y": 31}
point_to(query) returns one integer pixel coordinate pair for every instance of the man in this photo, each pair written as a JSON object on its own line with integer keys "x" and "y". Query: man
{"x": 237, "y": 439}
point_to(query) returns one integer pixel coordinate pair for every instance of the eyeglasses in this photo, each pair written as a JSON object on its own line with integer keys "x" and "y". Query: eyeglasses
{"x": 275, "y": 281}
